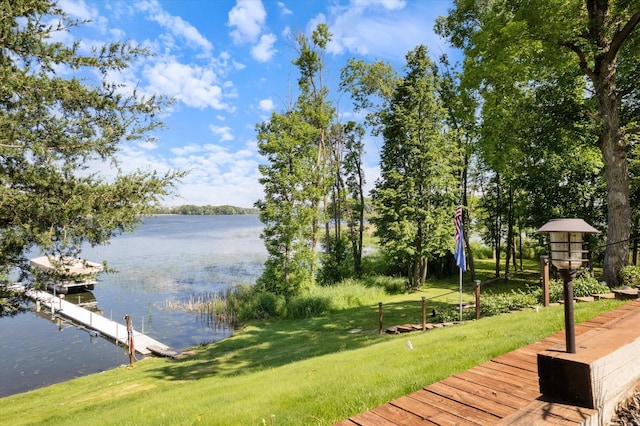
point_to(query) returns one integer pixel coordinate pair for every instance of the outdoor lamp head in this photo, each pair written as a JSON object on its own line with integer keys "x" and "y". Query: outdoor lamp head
{"x": 566, "y": 241}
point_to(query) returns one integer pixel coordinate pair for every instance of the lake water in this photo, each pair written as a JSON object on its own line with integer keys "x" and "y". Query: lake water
{"x": 167, "y": 261}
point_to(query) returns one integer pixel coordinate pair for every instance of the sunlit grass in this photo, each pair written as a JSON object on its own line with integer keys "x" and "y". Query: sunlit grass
{"x": 314, "y": 371}
{"x": 291, "y": 372}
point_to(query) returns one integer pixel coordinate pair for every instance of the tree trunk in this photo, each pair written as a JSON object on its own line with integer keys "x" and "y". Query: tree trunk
{"x": 611, "y": 139}
{"x": 616, "y": 174}
{"x": 509, "y": 246}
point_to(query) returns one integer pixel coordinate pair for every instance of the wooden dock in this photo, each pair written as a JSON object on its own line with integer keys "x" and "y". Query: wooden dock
{"x": 108, "y": 328}
{"x": 503, "y": 391}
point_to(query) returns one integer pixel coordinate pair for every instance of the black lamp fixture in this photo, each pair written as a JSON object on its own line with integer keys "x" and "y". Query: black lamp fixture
{"x": 568, "y": 253}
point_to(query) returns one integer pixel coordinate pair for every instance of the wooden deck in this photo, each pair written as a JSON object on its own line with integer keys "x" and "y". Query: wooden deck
{"x": 503, "y": 391}
{"x": 108, "y": 328}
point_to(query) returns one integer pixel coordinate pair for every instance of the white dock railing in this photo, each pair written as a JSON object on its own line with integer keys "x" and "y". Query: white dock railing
{"x": 108, "y": 328}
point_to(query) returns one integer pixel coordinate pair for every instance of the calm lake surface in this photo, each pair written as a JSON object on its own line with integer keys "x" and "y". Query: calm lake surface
{"x": 166, "y": 262}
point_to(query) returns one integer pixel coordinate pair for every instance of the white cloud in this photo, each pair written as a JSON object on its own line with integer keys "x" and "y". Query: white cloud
{"x": 248, "y": 17}
{"x": 283, "y": 9}
{"x": 266, "y": 105}
{"x": 223, "y": 131}
{"x": 356, "y": 28}
{"x": 175, "y": 24}
{"x": 263, "y": 51}
{"x": 387, "y": 4}
{"x": 193, "y": 85}
{"x": 218, "y": 175}
{"x": 77, "y": 9}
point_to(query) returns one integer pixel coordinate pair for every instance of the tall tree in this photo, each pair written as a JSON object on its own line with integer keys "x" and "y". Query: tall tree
{"x": 516, "y": 40}
{"x": 355, "y": 181}
{"x": 287, "y": 141}
{"x": 55, "y": 122}
{"x": 416, "y": 193}
{"x": 462, "y": 125}
{"x": 319, "y": 113}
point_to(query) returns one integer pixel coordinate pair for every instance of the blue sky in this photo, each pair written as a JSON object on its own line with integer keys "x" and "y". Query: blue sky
{"x": 228, "y": 65}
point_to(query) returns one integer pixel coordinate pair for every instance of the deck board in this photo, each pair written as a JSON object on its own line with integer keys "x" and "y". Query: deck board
{"x": 502, "y": 391}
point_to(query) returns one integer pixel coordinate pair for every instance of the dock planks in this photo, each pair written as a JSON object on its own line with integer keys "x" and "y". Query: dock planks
{"x": 503, "y": 391}
{"x": 108, "y": 328}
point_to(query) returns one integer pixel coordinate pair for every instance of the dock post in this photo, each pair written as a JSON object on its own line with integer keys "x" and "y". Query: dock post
{"x": 127, "y": 318}
{"x": 380, "y": 318}
{"x": 424, "y": 313}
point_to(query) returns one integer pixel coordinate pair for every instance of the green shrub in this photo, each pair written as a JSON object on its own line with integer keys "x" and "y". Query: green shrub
{"x": 300, "y": 307}
{"x": 259, "y": 305}
{"x": 586, "y": 286}
{"x": 496, "y": 304}
{"x": 391, "y": 285}
{"x": 631, "y": 276}
{"x": 451, "y": 313}
{"x": 481, "y": 251}
{"x": 583, "y": 286}
{"x": 349, "y": 293}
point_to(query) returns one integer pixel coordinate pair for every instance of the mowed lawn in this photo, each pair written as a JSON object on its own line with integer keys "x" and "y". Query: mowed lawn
{"x": 314, "y": 372}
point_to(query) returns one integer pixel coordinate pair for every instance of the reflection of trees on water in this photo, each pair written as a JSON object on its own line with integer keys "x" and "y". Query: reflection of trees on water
{"x": 11, "y": 303}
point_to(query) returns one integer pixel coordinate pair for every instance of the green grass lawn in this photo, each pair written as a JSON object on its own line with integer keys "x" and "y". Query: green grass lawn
{"x": 282, "y": 372}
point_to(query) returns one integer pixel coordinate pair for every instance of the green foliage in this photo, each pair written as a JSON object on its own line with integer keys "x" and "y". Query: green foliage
{"x": 391, "y": 285}
{"x": 257, "y": 305}
{"x": 496, "y": 304}
{"x": 583, "y": 286}
{"x": 414, "y": 199}
{"x": 307, "y": 306}
{"x": 631, "y": 276}
{"x": 480, "y": 251}
{"x": 550, "y": 118}
{"x": 451, "y": 313}
{"x": 351, "y": 293}
{"x": 337, "y": 261}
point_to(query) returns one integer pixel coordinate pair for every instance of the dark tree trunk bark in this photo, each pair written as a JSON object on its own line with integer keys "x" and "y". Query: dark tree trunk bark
{"x": 611, "y": 139}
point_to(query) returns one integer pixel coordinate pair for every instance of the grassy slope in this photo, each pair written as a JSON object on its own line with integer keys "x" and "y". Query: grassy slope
{"x": 314, "y": 371}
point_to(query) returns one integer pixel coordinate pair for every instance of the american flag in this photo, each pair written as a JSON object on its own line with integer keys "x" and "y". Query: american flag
{"x": 459, "y": 251}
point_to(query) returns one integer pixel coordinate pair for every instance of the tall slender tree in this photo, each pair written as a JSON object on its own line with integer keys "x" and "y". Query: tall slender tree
{"x": 319, "y": 113}
{"x": 417, "y": 190}
{"x": 287, "y": 141}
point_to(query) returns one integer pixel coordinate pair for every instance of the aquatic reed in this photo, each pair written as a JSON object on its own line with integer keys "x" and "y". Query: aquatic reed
{"x": 212, "y": 307}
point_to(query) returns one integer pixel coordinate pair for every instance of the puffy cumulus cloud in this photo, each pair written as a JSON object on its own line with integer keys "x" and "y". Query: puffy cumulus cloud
{"x": 175, "y": 24}
{"x": 218, "y": 175}
{"x": 193, "y": 85}
{"x": 77, "y": 9}
{"x": 266, "y": 105}
{"x": 224, "y": 132}
{"x": 247, "y": 17}
{"x": 263, "y": 51}
{"x": 356, "y": 27}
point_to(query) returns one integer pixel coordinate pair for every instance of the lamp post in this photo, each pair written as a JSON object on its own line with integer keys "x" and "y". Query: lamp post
{"x": 567, "y": 255}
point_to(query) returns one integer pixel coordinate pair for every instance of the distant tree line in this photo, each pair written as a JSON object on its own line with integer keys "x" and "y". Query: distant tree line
{"x": 190, "y": 209}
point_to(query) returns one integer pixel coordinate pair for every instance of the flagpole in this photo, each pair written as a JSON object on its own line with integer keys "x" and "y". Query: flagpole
{"x": 460, "y": 294}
